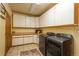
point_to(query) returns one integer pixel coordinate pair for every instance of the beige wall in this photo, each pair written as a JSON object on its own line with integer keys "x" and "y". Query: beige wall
{"x": 2, "y": 30}
{"x": 68, "y": 30}
{"x": 2, "y": 37}
{"x": 24, "y": 30}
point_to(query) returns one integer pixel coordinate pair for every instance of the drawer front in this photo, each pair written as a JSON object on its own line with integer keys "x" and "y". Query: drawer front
{"x": 17, "y": 41}
{"x": 28, "y": 40}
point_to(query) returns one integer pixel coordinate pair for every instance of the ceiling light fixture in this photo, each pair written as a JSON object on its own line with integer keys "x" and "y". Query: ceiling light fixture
{"x": 33, "y": 7}
{"x": 37, "y": 3}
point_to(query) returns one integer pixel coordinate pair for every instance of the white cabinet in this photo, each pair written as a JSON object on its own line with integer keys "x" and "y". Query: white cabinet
{"x": 32, "y": 21}
{"x": 17, "y": 40}
{"x": 28, "y": 39}
{"x": 24, "y": 39}
{"x": 36, "y": 39}
{"x": 64, "y": 14}
{"x": 41, "y": 21}
{"x": 36, "y": 22}
{"x": 48, "y": 18}
{"x": 68, "y": 17}
{"x": 18, "y": 20}
{"x": 31, "y": 39}
{"x": 60, "y": 14}
{"x": 27, "y": 21}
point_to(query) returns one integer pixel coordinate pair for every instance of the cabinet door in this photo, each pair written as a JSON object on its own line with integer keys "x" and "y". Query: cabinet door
{"x": 27, "y": 21}
{"x": 69, "y": 14}
{"x": 17, "y": 41}
{"x": 32, "y": 20}
{"x": 51, "y": 17}
{"x": 58, "y": 14}
{"x": 18, "y": 20}
{"x": 64, "y": 14}
{"x": 28, "y": 39}
{"x": 36, "y": 39}
{"x": 48, "y": 18}
{"x": 42, "y": 21}
{"x": 36, "y": 22}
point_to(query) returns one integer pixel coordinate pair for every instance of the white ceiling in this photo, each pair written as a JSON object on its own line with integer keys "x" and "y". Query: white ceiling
{"x": 31, "y": 8}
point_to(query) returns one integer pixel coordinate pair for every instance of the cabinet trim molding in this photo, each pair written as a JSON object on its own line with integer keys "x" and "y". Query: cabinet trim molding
{"x": 76, "y": 6}
{"x": 69, "y": 25}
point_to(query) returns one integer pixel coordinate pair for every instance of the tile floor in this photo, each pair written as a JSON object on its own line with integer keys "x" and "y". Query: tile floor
{"x": 15, "y": 51}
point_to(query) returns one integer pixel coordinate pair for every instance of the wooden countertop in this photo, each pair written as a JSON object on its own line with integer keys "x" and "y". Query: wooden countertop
{"x": 23, "y": 33}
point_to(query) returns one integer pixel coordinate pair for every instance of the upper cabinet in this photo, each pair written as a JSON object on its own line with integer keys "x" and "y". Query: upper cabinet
{"x": 37, "y": 22}
{"x": 60, "y": 14}
{"x": 27, "y": 21}
{"x": 48, "y": 18}
{"x": 20, "y": 20}
{"x": 64, "y": 14}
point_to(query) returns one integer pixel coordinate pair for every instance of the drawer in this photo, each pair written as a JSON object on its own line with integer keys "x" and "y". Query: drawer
{"x": 17, "y": 41}
{"x": 28, "y": 40}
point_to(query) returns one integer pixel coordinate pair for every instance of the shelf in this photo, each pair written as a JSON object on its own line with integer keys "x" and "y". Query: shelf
{"x": 23, "y": 33}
